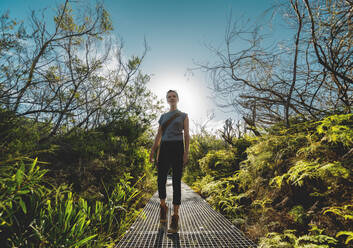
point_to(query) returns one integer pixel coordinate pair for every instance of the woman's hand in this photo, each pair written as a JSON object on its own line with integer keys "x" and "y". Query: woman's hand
{"x": 185, "y": 158}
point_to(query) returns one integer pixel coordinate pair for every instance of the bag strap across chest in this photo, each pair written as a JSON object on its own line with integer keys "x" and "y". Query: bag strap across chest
{"x": 166, "y": 124}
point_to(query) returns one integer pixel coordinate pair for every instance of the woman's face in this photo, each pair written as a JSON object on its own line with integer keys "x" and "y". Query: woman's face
{"x": 172, "y": 98}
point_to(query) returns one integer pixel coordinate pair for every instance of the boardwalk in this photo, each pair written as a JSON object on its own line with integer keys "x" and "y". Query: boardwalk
{"x": 200, "y": 225}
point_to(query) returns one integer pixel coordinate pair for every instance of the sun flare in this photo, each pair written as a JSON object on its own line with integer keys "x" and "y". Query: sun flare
{"x": 192, "y": 95}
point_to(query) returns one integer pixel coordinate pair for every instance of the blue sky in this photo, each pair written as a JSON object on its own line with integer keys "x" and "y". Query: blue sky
{"x": 176, "y": 33}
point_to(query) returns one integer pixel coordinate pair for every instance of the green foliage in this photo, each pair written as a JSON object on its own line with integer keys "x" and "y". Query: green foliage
{"x": 289, "y": 239}
{"x": 134, "y": 62}
{"x": 284, "y": 181}
{"x": 304, "y": 171}
{"x": 117, "y": 136}
{"x": 221, "y": 195}
{"x": 12, "y": 33}
{"x": 210, "y": 155}
{"x": 21, "y": 193}
{"x": 69, "y": 222}
{"x": 90, "y": 128}
{"x": 219, "y": 163}
{"x": 337, "y": 129}
{"x": 87, "y": 158}
{"x": 19, "y": 137}
{"x": 270, "y": 155}
{"x": 106, "y": 167}
{"x": 200, "y": 145}
{"x": 345, "y": 212}
{"x": 64, "y": 222}
{"x": 224, "y": 162}
{"x": 66, "y": 20}
{"x": 212, "y": 172}
{"x": 106, "y": 23}
{"x": 346, "y": 233}
{"x": 33, "y": 214}
{"x": 298, "y": 214}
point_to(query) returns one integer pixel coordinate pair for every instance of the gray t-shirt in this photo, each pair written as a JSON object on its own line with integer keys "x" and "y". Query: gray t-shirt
{"x": 174, "y": 130}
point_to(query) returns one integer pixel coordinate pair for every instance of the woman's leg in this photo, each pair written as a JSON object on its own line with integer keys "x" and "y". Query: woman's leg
{"x": 162, "y": 168}
{"x": 177, "y": 174}
{"x": 162, "y": 179}
{"x": 176, "y": 186}
{"x": 177, "y": 160}
{"x": 163, "y": 209}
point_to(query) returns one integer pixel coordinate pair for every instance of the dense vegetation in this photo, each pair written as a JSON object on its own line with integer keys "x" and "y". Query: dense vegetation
{"x": 291, "y": 187}
{"x": 76, "y": 119}
{"x": 74, "y": 133}
{"x": 82, "y": 189}
{"x": 289, "y": 183}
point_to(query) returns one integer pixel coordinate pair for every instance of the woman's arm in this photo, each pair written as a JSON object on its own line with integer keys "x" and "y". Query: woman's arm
{"x": 157, "y": 140}
{"x": 186, "y": 140}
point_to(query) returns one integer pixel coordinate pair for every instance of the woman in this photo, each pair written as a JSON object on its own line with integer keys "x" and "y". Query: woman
{"x": 173, "y": 153}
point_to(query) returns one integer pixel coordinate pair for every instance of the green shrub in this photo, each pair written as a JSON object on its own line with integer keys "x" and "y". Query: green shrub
{"x": 288, "y": 239}
{"x": 69, "y": 222}
{"x": 304, "y": 171}
{"x": 19, "y": 137}
{"x": 200, "y": 145}
{"x": 22, "y": 195}
{"x": 284, "y": 181}
{"x": 35, "y": 214}
{"x": 298, "y": 214}
{"x": 346, "y": 213}
{"x": 220, "y": 163}
{"x": 337, "y": 129}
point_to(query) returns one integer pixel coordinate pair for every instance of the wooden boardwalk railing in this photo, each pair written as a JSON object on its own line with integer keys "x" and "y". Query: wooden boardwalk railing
{"x": 200, "y": 225}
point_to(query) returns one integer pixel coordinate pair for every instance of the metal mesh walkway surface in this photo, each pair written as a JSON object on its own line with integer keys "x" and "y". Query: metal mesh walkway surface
{"x": 200, "y": 225}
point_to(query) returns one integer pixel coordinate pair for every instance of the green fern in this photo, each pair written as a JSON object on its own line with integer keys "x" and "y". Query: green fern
{"x": 289, "y": 239}
{"x": 263, "y": 203}
{"x": 274, "y": 240}
{"x": 337, "y": 128}
{"x": 345, "y": 212}
{"x": 304, "y": 170}
{"x": 348, "y": 233}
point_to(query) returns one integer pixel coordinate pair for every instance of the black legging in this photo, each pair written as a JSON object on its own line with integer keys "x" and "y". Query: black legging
{"x": 171, "y": 154}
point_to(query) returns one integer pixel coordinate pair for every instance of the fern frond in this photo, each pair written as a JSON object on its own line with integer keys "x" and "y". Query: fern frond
{"x": 348, "y": 233}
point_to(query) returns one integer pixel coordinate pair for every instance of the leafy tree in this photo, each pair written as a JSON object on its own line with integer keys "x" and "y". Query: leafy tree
{"x": 70, "y": 76}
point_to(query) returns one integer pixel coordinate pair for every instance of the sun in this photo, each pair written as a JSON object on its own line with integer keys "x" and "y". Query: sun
{"x": 193, "y": 98}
